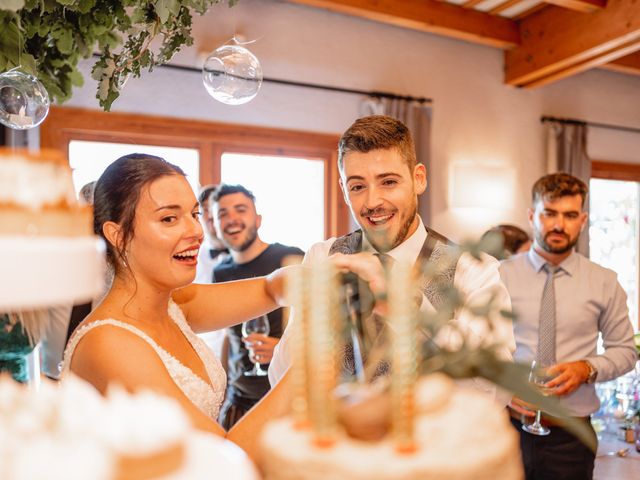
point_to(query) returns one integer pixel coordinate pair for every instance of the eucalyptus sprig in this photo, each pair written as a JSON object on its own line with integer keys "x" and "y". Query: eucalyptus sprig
{"x": 47, "y": 38}
{"x": 467, "y": 360}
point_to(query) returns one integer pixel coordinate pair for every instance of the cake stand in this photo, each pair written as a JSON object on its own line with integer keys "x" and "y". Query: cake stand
{"x": 40, "y": 272}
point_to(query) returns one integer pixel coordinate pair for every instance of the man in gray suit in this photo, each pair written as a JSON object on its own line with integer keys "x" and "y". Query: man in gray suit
{"x": 381, "y": 180}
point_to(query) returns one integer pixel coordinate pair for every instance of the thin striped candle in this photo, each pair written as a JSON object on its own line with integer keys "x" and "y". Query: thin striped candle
{"x": 404, "y": 356}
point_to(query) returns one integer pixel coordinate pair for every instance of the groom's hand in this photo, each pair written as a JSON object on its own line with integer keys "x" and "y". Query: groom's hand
{"x": 366, "y": 266}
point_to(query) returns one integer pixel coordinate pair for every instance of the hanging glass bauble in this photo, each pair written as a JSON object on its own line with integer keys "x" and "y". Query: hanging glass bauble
{"x": 232, "y": 75}
{"x": 24, "y": 102}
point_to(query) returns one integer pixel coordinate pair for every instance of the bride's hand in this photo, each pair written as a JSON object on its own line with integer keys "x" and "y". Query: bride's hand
{"x": 363, "y": 264}
{"x": 366, "y": 266}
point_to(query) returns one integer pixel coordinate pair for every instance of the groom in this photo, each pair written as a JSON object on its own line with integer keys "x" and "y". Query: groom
{"x": 381, "y": 179}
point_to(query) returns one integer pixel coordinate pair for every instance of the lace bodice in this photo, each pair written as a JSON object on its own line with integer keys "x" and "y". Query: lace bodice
{"x": 202, "y": 394}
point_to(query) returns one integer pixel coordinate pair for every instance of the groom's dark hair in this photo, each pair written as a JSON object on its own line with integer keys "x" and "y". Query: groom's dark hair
{"x": 377, "y": 132}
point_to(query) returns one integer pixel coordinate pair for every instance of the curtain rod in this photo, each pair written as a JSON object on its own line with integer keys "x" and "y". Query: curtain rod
{"x": 375, "y": 94}
{"x": 572, "y": 121}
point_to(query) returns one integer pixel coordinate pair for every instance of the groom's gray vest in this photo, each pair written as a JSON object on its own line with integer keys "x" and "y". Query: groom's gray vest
{"x": 437, "y": 249}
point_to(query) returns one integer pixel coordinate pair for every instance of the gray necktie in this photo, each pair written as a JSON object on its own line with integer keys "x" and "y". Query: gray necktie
{"x": 386, "y": 260}
{"x": 547, "y": 325}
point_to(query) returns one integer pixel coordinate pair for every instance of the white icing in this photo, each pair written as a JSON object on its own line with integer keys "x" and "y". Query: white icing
{"x": 133, "y": 425}
{"x": 465, "y": 435}
{"x": 69, "y": 431}
{"x": 74, "y": 459}
{"x": 34, "y": 184}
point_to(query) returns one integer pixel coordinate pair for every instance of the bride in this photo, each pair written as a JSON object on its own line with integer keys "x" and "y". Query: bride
{"x": 143, "y": 334}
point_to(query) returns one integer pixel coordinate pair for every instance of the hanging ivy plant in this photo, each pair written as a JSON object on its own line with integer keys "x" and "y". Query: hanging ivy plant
{"x": 47, "y": 38}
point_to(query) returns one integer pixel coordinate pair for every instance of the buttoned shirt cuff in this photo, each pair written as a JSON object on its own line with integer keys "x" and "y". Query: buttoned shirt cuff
{"x": 598, "y": 363}
{"x": 603, "y": 365}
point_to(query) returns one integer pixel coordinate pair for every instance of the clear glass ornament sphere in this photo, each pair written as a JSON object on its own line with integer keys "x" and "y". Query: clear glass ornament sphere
{"x": 24, "y": 102}
{"x": 232, "y": 75}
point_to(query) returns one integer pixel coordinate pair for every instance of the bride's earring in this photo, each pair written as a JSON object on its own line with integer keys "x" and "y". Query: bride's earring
{"x": 123, "y": 257}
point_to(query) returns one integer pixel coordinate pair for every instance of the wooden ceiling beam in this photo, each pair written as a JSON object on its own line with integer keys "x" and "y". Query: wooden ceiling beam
{"x": 530, "y": 11}
{"x": 627, "y": 64}
{"x": 430, "y": 16}
{"x": 556, "y": 42}
{"x": 503, "y": 6}
{"x": 584, "y": 6}
{"x": 586, "y": 65}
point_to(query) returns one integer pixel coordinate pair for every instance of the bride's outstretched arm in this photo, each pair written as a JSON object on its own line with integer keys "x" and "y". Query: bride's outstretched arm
{"x": 247, "y": 432}
{"x": 220, "y": 305}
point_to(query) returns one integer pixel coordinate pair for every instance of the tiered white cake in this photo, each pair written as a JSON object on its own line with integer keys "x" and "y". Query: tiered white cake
{"x": 48, "y": 252}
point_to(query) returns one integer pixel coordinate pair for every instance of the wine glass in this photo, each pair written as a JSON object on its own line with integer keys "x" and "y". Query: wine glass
{"x": 257, "y": 325}
{"x": 539, "y": 376}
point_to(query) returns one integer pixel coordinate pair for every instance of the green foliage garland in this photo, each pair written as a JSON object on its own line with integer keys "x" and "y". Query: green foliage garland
{"x": 47, "y": 38}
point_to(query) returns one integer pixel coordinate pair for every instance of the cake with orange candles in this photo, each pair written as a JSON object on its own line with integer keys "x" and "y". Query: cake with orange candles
{"x": 458, "y": 433}
{"x": 401, "y": 427}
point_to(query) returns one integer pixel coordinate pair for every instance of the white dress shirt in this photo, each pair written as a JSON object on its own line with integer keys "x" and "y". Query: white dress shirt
{"x": 589, "y": 301}
{"x": 206, "y": 264}
{"x": 476, "y": 280}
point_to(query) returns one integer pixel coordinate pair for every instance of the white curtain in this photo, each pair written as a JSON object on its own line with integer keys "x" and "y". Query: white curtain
{"x": 567, "y": 152}
{"x": 417, "y": 117}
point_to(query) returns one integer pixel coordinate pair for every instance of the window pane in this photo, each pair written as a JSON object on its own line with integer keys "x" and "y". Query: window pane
{"x": 613, "y": 233}
{"x": 89, "y": 159}
{"x": 289, "y": 195}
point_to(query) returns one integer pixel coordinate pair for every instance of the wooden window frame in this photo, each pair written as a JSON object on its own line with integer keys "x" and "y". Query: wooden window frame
{"x": 211, "y": 139}
{"x": 615, "y": 170}
{"x": 629, "y": 172}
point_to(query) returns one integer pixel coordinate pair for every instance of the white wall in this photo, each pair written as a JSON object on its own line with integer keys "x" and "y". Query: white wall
{"x": 477, "y": 118}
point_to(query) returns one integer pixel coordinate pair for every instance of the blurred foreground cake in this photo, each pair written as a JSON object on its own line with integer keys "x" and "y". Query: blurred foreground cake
{"x": 72, "y": 428}
{"x": 48, "y": 251}
{"x": 68, "y": 431}
{"x": 401, "y": 427}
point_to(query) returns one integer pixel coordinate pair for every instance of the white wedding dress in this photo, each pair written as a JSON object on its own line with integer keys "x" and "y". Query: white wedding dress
{"x": 201, "y": 393}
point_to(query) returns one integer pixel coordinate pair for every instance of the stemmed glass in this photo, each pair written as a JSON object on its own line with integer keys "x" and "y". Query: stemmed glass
{"x": 539, "y": 376}
{"x": 257, "y": 325}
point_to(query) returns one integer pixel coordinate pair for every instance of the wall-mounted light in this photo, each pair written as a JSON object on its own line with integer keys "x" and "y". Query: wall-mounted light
{"x": 488, "y": 187}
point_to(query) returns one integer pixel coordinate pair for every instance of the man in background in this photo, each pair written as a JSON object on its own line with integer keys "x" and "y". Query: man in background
{"x": 514, "y": 239}
{"x": 212, "y": 250}
{"x": 238, "y": 222}
{"x": 563, "y": 301}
